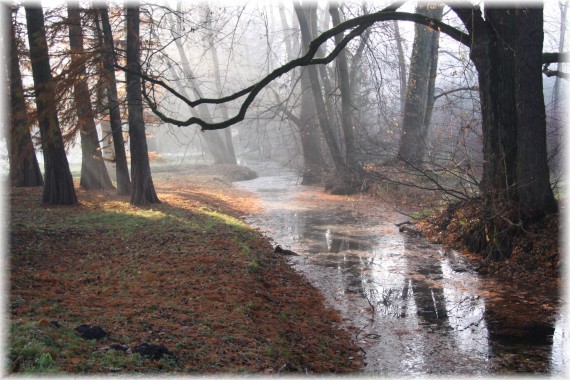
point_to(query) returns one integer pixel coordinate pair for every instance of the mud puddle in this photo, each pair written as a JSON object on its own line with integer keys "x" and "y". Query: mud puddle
{"x": 415, "y": 308}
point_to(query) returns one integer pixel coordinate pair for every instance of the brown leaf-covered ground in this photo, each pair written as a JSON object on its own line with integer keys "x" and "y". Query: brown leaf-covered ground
{"x": 186, "y": 273}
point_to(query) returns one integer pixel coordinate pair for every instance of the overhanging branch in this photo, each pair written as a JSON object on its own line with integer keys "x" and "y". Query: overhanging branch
{"x": 358, "y": 24}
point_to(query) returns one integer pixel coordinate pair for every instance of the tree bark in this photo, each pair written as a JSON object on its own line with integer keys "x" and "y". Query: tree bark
{"x": 58, "y": 187}
{"x": 351, "y": 161}
{"x": 401, "y": 67}
{"x": 93, "y": 171}
{"x": 143, "y": 191}
{"x": 414, "y": 129}
{"x": 324, "y": 122}
{"x": 434, "y": 58}
{"x": 24, "y": 167}
{"x": 535, "y": 197}
{"x": 313, "y": 161}
{"x": 122, "y": 169}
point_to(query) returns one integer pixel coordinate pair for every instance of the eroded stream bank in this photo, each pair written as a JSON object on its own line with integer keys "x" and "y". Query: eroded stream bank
{"x": 416, "y": 308}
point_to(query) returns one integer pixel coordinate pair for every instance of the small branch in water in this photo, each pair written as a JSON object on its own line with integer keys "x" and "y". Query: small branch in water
{"x": 282, "y": 251}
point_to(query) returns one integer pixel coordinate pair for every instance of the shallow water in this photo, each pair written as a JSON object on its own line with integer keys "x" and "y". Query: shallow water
{"x": 415, "y": 308}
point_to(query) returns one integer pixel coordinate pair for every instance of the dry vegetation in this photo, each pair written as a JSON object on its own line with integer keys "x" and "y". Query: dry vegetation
{"x": 186, "y": 274}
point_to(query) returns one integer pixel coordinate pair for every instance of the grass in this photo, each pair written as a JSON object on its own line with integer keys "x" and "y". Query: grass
{"x": 186, "y": 273}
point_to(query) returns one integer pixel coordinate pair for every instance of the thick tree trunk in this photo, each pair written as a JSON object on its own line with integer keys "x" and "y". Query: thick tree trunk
{"x": 535, "y": 197}
{"x": 414, "y": 129}
{"x": 93, "y": 171}
{"x": 506, "y": 49}
{"x": 24, "y": 167}
{"x": 143, "y": 191}
{"x": 58, "y": 187}
{"x": 123, "y": 180}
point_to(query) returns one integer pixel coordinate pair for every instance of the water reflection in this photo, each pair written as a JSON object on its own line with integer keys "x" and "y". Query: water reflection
{"x": 418, "y": 309}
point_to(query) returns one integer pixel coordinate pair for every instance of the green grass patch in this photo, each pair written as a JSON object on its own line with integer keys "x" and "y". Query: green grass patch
{"x": 41, "y": 348}
{"x": 128, "y": 220}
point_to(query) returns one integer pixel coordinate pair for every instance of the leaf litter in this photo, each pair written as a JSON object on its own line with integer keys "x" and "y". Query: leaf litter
{"x": 187, "y": 275}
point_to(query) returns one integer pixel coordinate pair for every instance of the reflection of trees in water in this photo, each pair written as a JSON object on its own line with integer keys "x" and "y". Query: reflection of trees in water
{"x": 342, "y": 255}
{"x": 339, "y": 250}
{"x": 430, "y": 300}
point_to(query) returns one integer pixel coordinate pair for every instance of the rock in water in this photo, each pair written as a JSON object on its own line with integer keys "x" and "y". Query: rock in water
{"x": 153, "y": 351}
{"x": 91, "y": 332}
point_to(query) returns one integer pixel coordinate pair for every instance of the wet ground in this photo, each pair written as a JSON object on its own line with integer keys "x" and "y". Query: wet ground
{"x": 415, "y": 308}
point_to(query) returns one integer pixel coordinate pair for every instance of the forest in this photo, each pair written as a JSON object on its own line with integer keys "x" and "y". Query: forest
{"x": 292, "y": 187}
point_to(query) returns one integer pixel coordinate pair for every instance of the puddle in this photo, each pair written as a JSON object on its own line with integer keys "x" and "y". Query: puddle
{"x": 416, "y": 308}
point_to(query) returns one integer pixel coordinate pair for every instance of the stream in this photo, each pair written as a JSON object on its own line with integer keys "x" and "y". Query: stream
{"x": 415, "y": 308}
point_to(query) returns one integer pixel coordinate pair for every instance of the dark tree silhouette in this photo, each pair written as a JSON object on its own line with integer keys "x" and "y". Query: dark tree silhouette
{"x": 142, "y": 191}
{"x": 94, "y": 174}
{"x": 24, "y": 167}
{"x": 58, "y": 187}
{"x": 123, "y": 180}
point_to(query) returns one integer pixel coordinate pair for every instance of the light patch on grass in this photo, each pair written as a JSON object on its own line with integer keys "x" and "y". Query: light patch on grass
{"x": 124, "y": 219}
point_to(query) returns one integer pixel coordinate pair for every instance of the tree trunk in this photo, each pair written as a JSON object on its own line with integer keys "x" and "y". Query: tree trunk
{"x": 351, "y": 160}
{"x": 434, "y": 57}
{"x": 318, "y": 95}
{"x": 214, "y": 141}
{"x": 401, "y": 67}
{"x": 93, "y": 171}
{"x": 414, "y": 129}
{"x": 313, "y": 161}
{"x": 227, "y": 131}
{"x": 506, "y": 49}
{"x": 535, "y": 197}
{"x": 58, "y": 187}
{"x": 123, "y": 180}
{"x": 24, "y": 167}
{"x": 142, "y": 192}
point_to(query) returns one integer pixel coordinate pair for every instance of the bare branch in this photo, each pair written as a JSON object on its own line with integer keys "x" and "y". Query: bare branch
{"x": 360, "y": 24}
